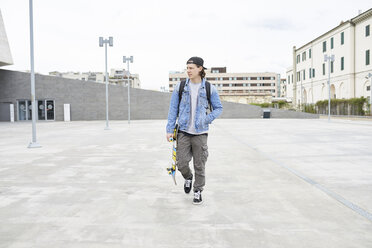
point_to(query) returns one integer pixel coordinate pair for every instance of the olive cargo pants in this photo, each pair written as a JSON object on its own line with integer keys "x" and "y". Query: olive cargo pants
{"x": 192, "y": 146}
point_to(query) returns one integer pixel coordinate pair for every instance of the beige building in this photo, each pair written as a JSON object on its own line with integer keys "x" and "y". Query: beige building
{"x": 70, "y": 75}
{"x": 119, "y": 76}
{"x": 96, "y": 76}
{"x": 237, "y": 87}
{"x": 351, "y": 44}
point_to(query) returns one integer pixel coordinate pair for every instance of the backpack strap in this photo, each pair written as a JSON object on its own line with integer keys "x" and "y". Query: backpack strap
{"x": 182, "y": 86}
{"x": 208, "y": 89}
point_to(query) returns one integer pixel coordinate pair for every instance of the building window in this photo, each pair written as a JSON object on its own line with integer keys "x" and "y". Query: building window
{"x": 298, "y": 59}
{"x": 221, "y": 78}
{"x": 230, "y": 85}
{"x": 303, "y": 56}
{"x": 313, "y": 72}
{"x": 367, "y": 57}
{"x": 342, "y": 38}
{"x": 324, "y": 46}
{"x": 234, "y": 78}
{"x": 304, "y": 74}
{"x": 367, "y": 30}
{"x": 342, "y": 63}
{"x": 309, "y": 53}
{"x": 289, "y": 78}
{"x": 230, "y": 78}
{"x": 332, "y": 66}
{"x": 258, "y": 78}
{"x": 249, "y": 78}
{"x": 309, "y": 72}
{"x": 332, "y": 43}
{"x": 323, "y": 68}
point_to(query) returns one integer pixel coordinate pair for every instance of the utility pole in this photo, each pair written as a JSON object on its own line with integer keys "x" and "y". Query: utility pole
{"x": 330, "y": 59}
{"x": 369, "y": 76}
{"x": 127, "y": 60}
{"x": 110, "y": 42}
{"x": 33, "y": 143}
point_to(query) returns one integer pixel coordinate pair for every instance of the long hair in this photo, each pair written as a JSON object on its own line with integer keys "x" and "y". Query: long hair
{"x": 201, "y": 73}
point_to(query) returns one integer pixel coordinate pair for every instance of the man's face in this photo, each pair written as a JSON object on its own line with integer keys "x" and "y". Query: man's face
{"x": 193, "y": 71}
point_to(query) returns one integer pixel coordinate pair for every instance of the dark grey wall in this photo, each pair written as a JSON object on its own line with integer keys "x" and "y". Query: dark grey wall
{"x": 4, "y": 111}
{"x": 88, "y": 99}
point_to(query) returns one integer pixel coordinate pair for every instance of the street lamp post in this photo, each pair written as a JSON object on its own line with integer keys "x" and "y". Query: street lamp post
{"x": 302, "y": 97}
{"x": 330, "y": 59}
{"x": 127, "y": 60}
{"x": 110, "y": 42}
{"x": 301, "y": 100}
{"x": 370, "y": 91}
{"x": 33, "y": 143}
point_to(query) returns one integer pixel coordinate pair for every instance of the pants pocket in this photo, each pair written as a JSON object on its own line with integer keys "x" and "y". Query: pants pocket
{"x": 205, "y": 153}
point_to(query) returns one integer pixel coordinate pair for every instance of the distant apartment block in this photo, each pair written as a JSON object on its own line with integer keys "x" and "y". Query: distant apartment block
{"x": 88, "y": 76}
{"x": 116, "y": 76}
{"x": 237, "y": 87}
{"x": 351, "y": 44}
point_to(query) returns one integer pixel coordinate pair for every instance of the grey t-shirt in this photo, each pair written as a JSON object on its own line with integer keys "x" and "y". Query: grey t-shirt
{"x": 194, "y": 92}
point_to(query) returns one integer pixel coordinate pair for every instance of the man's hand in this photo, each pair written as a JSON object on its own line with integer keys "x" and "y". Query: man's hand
{"x": 170, "y": 137}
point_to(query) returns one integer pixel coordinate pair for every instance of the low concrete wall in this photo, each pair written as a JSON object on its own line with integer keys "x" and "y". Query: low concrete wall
{"x": 287, "y": 114}
{"x": 88, "y": 99}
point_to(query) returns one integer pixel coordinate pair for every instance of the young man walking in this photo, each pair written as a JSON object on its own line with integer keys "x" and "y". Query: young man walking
{"x": 190, "y": 101}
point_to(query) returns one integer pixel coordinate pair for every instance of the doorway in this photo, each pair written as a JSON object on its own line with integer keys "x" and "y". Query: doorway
{"x": 45, "y": 110}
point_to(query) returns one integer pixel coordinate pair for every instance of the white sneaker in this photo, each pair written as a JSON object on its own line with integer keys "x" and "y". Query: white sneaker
{"x": 197, "y": 198}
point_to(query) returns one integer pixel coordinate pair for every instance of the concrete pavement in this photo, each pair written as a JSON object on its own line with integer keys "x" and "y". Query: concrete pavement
{"x": 270, "y": 183}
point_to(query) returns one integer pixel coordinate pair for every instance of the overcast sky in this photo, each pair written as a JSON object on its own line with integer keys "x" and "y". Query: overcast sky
{"x": 161, "y": 35}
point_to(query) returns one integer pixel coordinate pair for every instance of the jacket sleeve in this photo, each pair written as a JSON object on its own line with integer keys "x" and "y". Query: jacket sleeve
{"x": 173, "y": 110}
{"x": 216, "y": 104}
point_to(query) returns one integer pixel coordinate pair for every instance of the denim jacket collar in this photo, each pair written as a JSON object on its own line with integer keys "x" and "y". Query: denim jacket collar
{"x": 202, "y": 83}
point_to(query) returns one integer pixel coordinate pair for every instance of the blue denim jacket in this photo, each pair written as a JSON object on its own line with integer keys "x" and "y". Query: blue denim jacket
{"x": 202, "y": 118}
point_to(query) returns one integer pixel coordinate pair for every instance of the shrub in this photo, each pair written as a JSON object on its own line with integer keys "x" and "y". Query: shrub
{"x": 353, "y": 106}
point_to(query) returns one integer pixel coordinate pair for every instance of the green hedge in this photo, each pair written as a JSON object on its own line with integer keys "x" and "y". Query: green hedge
{"x": 353, "y": 106}
{"x": 282, "y": 104}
